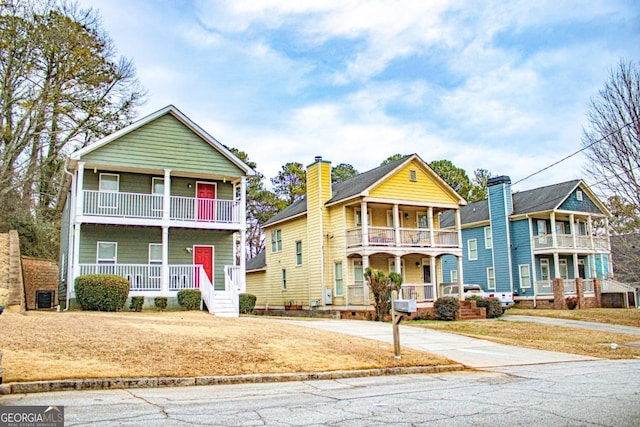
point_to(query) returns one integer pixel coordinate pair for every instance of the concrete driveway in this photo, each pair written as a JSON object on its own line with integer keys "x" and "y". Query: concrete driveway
{"x": 471, "y": 352}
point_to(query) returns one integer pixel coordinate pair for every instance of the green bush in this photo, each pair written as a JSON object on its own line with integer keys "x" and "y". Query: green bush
{"x": 136, "y": 303}
{"x": 103, "y": 292}
{"x": 160, "y": 303}
{"x": 492, "y": 305}
{"x": 247, "y": 303}
{"x": 190, "y": 299}
{"x": 446, "y": 308}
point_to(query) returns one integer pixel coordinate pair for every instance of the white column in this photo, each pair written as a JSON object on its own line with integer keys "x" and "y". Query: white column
{"x": 164, "y": 283}
{"x": 166, "y": 201}
{"x": 460, "y": 279}
{"x": 243, "y": 230}
{"x": 396, "y": 223}
{"x": 434, "y": 277}
{"x": 554, "y": 237}
{"x": 364, "y": 218}
{"x": 366, "y": 291}
{"x": 76, "y": 256}
{"x": 590, "y": 231}
{"x": 606, "y": 229}
{"x": 398, "y": 264}
{"x": 575, "y": 266}
{"x": 556, "y": 265}
{"x": 432, "y": 238}
{"x": 459, "y": 230}
{"x": 572, "y": 230}
{"x": 79, "y": 188}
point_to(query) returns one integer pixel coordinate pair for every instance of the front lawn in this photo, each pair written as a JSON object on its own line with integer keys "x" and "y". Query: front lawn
{"x": 616, "y": 316}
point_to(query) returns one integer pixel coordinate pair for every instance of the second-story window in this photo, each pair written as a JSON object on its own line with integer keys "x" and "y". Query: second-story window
{"x": 298, "y": 252}
{"x": 157, "y": 189}
{"x": 472, "y": 246}
{"x": 109, "y": 186}
{"x": 276, "y": 240}
{"x": 358, "y": 215}
{"x": 488, "y": 238}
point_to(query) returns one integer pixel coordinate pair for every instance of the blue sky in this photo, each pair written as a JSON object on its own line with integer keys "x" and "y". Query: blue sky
{"x": 499, "y": 85}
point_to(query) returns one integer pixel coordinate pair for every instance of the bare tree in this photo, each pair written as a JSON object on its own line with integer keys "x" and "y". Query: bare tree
{"x": 612, "y": 137}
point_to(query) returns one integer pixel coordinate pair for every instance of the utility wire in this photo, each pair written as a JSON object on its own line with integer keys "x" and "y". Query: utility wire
{"x": 574, "y": 153}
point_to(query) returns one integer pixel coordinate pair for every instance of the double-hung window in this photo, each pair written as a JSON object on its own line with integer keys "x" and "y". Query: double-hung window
{"x": 491, "y": 278}
{"x": 109, "y": 186}
{"x": 525, "y": 276}
{"x": 106, "y": 257}
{"x": 472, "y": 246}
{"x": 298, "y": 252}
{"x": 488, "y": 238}
{"x": 276, "y": 240}
{"x": 338, "y": 279}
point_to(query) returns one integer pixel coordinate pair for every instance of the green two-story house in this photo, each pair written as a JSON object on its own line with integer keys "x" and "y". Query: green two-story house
{"x": 161, "y": 203}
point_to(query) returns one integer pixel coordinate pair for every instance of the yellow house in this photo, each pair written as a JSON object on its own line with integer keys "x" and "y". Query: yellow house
{"x": 388, "y": 218}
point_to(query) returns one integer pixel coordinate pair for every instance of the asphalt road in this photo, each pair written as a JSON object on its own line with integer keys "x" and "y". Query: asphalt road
{"x": 579, "y": 393}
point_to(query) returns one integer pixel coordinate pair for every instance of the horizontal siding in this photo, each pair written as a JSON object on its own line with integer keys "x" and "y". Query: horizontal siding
{"x": 520, "y": 250}
{"x": 141, "y": 184}
{"x": 425, "y": 189}
{"x": 164, "y": 143}
{"x": 498, "y": 195}
{"x": 475, "y": 271}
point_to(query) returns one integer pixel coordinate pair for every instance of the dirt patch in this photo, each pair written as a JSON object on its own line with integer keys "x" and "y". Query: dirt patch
{"x": 45, "y": 345}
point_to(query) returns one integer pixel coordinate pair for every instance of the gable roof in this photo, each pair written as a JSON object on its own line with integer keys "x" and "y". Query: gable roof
{"x": 354, "y": 187}
{"x": 173, "y": 111}
{"x": 540, "y": 199}
{"x": 258, "y": 262}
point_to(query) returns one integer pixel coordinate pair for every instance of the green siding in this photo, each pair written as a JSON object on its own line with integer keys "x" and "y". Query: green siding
{"x": 164, "y": 143}
{"x": 141, "y": 183}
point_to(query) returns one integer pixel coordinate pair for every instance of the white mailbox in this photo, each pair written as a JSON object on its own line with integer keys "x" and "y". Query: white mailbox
{"x": 407, "y": 306}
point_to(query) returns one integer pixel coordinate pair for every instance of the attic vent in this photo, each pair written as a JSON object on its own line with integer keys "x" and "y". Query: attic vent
{"x": 413, "y": 176}
{"x": 579, "y": 195}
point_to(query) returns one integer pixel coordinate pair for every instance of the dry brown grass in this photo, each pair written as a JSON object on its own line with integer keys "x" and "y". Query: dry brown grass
{"x": 546, "y": 337}
{"x": 45, "y": 345}
{"x": 627, "y": 317}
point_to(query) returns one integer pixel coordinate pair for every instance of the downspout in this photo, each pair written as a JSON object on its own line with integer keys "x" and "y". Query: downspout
{"x": 70, "y": 231}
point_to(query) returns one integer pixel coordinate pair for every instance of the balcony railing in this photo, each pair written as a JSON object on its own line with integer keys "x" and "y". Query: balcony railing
{"x": 151, "y": 206}
{"x": 418, "y": 292}
{"x": 415, "y": 237}
{"x": 588, "y": 286}
{"x": 566, "y": 241}
{"x": 544, "y": 287}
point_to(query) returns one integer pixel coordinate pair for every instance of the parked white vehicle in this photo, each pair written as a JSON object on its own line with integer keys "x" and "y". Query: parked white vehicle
{"x": 471, "y": 290}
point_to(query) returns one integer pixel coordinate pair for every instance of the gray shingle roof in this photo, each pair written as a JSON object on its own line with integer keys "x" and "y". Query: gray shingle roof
{"x": 258, "y": 262}
{"x": 524, "y": 202}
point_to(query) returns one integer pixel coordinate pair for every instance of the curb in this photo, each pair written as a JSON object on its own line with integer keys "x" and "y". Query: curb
{"x": 122, "y": 383}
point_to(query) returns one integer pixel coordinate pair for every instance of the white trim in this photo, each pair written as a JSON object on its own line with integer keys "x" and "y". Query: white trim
{"x": 453, "y": 276}
{"x": 335, "y": 278}
{"x": 272, "y": 241}
{"x": 153, "y": 184}
{"x": 298, "y": 264}
{"x": 117, "y": 175}
{"x": 491, "y": 277}
{"x": 520, "y": 276}
{"x": 488, "y": 246}
{"x": 115, "y": 260}
{"x": 158, "y": 262}
{"x": 362, "y": 267}
{"x": 563, "y": 262}
{"x": 469, "y": 249}
{"x": 545, "y": 262}
{"x": 579, "y": 196}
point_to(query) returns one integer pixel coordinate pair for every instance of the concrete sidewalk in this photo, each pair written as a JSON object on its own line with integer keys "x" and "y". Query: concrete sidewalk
{"x": 471, "y": 352}
{"x": 603, "y": 327}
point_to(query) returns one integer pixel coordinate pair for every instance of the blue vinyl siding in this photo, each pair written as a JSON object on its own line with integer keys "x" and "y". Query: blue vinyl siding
{"x": 585, "y": 205}
{"x": 475, "y": 271}
{"x": 520, "y": 249}
{"x": 449, "y": 263}
{"x": 499, "y": 209}
{"x": 602, "y": 266}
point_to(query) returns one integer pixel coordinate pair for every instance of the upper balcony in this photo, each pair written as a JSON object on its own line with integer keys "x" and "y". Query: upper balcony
{"x": 149, "y": 209}
{"x": 568, "y": 242}
{"x": 406, "y": 237}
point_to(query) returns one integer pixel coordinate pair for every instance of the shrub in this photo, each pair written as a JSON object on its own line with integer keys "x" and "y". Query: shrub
{"x": 492, "y": 305}
{"x": 136, "y": 303}
{"x": 572, "y": 302}
{"x": 160, "y": 303}
{"x": 103, "y": 292}
{"x": 190, "y": 299}
{"x": 446, "y": 308}
{"x": 247, "y": 303}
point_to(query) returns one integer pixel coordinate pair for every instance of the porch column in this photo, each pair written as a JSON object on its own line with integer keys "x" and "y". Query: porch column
{"x": 460, "y": 279}
{"x": 459, "y": 230}
{"x": 396, "y": 224}
{"x": 572, "y": 230}
{"x": 432, "y": 238}
{"x": 366, "y": 291}
{"x": 243, "y": 230}
{"x": 398, "y": 264}
{"x": 164, "y": 281}
{"x": 590, "y": 228}
{"x": 606, "y": 229}
{"x": 75, "y": 272}
{"x": 364, "y": 219}
{"x": 166, "y": 201}
{"x": 576, "y": 272}
{"x": 79, "y": 190}
{"x": 556, "y": 265}
{"x": 434, "y": 279}
{"x": 554, "y": 237}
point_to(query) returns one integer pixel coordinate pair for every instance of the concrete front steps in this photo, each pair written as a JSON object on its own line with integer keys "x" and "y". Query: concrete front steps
{"x": 225, "y": 304}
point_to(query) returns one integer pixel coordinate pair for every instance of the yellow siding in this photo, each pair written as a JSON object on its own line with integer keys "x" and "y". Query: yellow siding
{"x": 334, "y": 251}
{"x": 257, "y": 285}
{"x": 426, "y": 188}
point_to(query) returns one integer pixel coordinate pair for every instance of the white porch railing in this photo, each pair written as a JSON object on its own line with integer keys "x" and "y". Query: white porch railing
{"x": 566, "y": 241}
{"x": 382, "y": 236}
{"x": 138, "y": 205}
{"x": 141, "y": 277}
{"x": 569, "y": 286}
{"x": 356, "y": 295}
{"x": 206, "y": 288}
{"x": 418, "y": 292}
{"x": 234, "y": 280}
{"x": 415, "y": 237}
{"x": 544, "y": 287}
{"x": 446, "y": 238}
{"x": 588, "y": 286}
{"x": 385, "y": 236}
{"x": 184, "y": 277}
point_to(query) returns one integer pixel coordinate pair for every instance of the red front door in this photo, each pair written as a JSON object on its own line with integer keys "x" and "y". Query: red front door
{"x": 203, "y": 255}
{"x": 206, "y": 194}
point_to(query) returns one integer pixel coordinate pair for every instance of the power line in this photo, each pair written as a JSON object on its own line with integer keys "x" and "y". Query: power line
{"x": 574, "y": 153}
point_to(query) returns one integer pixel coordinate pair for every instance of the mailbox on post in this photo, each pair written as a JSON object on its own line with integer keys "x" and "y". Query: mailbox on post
{"x": 405, "y": 306}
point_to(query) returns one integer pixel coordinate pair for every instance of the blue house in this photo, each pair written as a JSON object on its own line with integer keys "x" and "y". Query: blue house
{"x": 514, "y": 245}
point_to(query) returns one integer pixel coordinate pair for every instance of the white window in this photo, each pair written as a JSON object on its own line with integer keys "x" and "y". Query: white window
{"x": 157, "y": 186}
{"x": 525, "y": 276}
{"x": 560, "y": 228}
{"x": 358, "y": 215}
{"x": 109, "y": 186}
{"x": 488, "y": 238}
{"x": 422, "y": 220}
{"x": 338, "y": 279}
{"x": 542, "y": 231}
{"x": 155, "y": 253}
{"x": 107, "y": 253}
{"x": 358, "y": 273}
{"x": 454, "y": 276}
{"x": 413, "y": 176}
{"x": 544, "y": 269}
{"x": 472, "y": 248}
{"x": 491, "y": 278}
{"x": 563, "y": 269}
{"x": 299, "y": 252}
{"x": 276, "y": 240}
{"x": 579, "y": 195}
